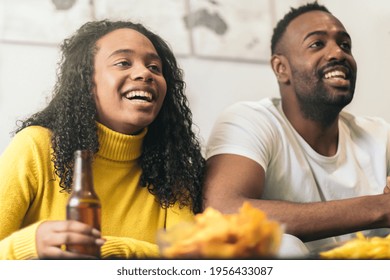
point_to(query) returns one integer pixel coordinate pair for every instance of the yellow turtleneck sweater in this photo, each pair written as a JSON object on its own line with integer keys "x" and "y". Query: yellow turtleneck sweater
{"x": 30, "y": 194}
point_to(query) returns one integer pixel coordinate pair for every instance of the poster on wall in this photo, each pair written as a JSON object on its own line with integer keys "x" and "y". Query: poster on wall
{"x": 163, "y": 17}
{"x": 210, "y": 29}
{"x": 230, "y": 30}
{"x": 41, "y": 21}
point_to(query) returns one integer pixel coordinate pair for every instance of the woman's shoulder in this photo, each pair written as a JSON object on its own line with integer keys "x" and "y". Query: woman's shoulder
{"x": 28, "y": 147}
{"x": 35, "y": 131}
{"x": 33, "y": 135}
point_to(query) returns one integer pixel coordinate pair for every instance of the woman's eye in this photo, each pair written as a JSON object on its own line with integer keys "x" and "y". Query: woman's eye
{"x": 155, "y": 68}
{"x": 122, "y": 63}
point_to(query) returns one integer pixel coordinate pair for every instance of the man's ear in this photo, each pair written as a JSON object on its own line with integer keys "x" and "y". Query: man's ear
{"x": 279, "y": 65}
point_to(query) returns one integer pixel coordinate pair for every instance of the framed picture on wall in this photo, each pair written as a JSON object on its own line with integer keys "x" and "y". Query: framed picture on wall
{"x": 211, "y": 29}
{"x": 163, "y": 17}
{"x": 41, "y": 21}
{"x": 230, "y": 29}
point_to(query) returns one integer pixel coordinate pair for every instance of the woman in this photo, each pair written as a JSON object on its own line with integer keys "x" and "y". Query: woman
{"x": 120, "y": 94}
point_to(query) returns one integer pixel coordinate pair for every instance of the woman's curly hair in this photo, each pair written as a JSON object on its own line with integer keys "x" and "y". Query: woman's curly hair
{"x": 171, "y": 161}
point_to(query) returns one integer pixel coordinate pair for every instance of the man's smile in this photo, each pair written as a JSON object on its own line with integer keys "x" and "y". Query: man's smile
{"x": 337, "y": 76}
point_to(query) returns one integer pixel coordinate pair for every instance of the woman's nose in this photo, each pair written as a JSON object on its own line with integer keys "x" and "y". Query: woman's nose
{"x": 141, "y": 72}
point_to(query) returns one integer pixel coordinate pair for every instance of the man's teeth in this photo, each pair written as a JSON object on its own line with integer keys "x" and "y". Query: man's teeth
{"x": 138, "y": 94}
{"x": 335, "y": 74}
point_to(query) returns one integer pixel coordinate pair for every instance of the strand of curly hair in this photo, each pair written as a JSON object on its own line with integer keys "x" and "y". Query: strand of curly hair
{"x": 171, "y": 161}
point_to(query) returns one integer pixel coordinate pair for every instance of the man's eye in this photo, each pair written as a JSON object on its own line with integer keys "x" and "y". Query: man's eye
{"x": 316, "y": 44}
{"x": 346, "y": 46}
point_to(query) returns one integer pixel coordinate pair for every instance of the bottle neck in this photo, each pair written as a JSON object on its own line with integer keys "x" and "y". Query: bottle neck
{"x": 82, "y": 173}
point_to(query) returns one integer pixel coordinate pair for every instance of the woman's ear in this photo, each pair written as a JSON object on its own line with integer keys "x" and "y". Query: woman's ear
{"x": 279, "y": 65}
{"x": 93, "y": 89}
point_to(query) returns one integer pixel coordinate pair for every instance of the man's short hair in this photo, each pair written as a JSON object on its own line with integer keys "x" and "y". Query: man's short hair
{"x": 292, "y": 14}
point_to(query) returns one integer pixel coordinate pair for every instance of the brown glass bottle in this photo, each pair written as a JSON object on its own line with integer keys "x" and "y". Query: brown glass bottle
{"x": 84, "y": 204}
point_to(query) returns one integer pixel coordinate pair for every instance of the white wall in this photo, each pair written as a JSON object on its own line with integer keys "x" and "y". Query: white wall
{"x": 27, "y": 72}
{"x": 368, "y": 23}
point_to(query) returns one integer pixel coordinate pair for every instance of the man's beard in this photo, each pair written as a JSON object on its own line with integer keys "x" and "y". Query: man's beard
{"x": 316, "y": 102}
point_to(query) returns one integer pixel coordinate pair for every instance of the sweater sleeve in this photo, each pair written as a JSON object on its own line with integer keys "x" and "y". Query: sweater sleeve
{"x": 20, "y": 245}
{"x": 128, "y": 248}
{"x": 18, "y": 181}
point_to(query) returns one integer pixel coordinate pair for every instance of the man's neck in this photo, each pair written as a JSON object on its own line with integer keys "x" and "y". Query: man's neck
{"x": 321, "y": 136}
{"x": 324, "y": 140}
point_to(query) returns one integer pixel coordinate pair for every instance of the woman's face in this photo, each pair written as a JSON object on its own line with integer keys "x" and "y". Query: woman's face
{"x": 129, "y": 86}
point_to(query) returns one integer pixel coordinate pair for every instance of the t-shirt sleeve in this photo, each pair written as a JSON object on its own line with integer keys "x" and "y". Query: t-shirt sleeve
{"x": 387, "y": 125}
{"x": 245, "y": 130}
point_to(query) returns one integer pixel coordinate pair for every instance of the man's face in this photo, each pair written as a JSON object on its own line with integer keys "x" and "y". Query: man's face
{"x": 129, "y": 86}
{"x": 323, "y": 70}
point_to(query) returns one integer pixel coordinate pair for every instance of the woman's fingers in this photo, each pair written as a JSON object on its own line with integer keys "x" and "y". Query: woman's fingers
{"x": 52, "y": 235}
{"x": 75, "y": 226}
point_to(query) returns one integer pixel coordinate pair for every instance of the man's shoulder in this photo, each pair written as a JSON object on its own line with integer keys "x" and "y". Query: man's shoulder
{"x": 264, "y": 115}
{"x": 363, "y": 122}
{"x": 265, "y": 106}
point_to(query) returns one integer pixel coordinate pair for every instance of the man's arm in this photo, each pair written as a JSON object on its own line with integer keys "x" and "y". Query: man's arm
{"x": 233, "y": 179}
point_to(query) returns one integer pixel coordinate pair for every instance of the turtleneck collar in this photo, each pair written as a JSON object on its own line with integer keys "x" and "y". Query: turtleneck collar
{"x": 117, "y": 146}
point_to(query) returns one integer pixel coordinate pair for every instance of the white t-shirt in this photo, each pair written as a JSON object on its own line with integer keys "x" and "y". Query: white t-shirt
{"x": 293, "y": 170}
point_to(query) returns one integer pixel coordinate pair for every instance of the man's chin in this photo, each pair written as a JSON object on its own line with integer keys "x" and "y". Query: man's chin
{"x": 339, "y": 96}
{"x": 342, "y": 100}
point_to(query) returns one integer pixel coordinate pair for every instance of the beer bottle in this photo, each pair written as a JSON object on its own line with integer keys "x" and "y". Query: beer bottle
{"x": 83, "y": 204}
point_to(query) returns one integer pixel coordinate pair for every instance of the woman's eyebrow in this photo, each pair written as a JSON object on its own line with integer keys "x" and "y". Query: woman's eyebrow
{"x": 150, "y": 55}
{"x": 121, "y": 51}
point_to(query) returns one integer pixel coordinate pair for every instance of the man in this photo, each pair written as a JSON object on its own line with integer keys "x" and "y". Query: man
{"x": 301, "y": 159}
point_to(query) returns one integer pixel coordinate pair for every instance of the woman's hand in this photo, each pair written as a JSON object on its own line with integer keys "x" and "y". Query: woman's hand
{"x": 52, "y": 235}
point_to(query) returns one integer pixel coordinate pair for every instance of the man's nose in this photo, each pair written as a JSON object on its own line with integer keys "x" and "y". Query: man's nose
{"x": 335, "y": 52}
